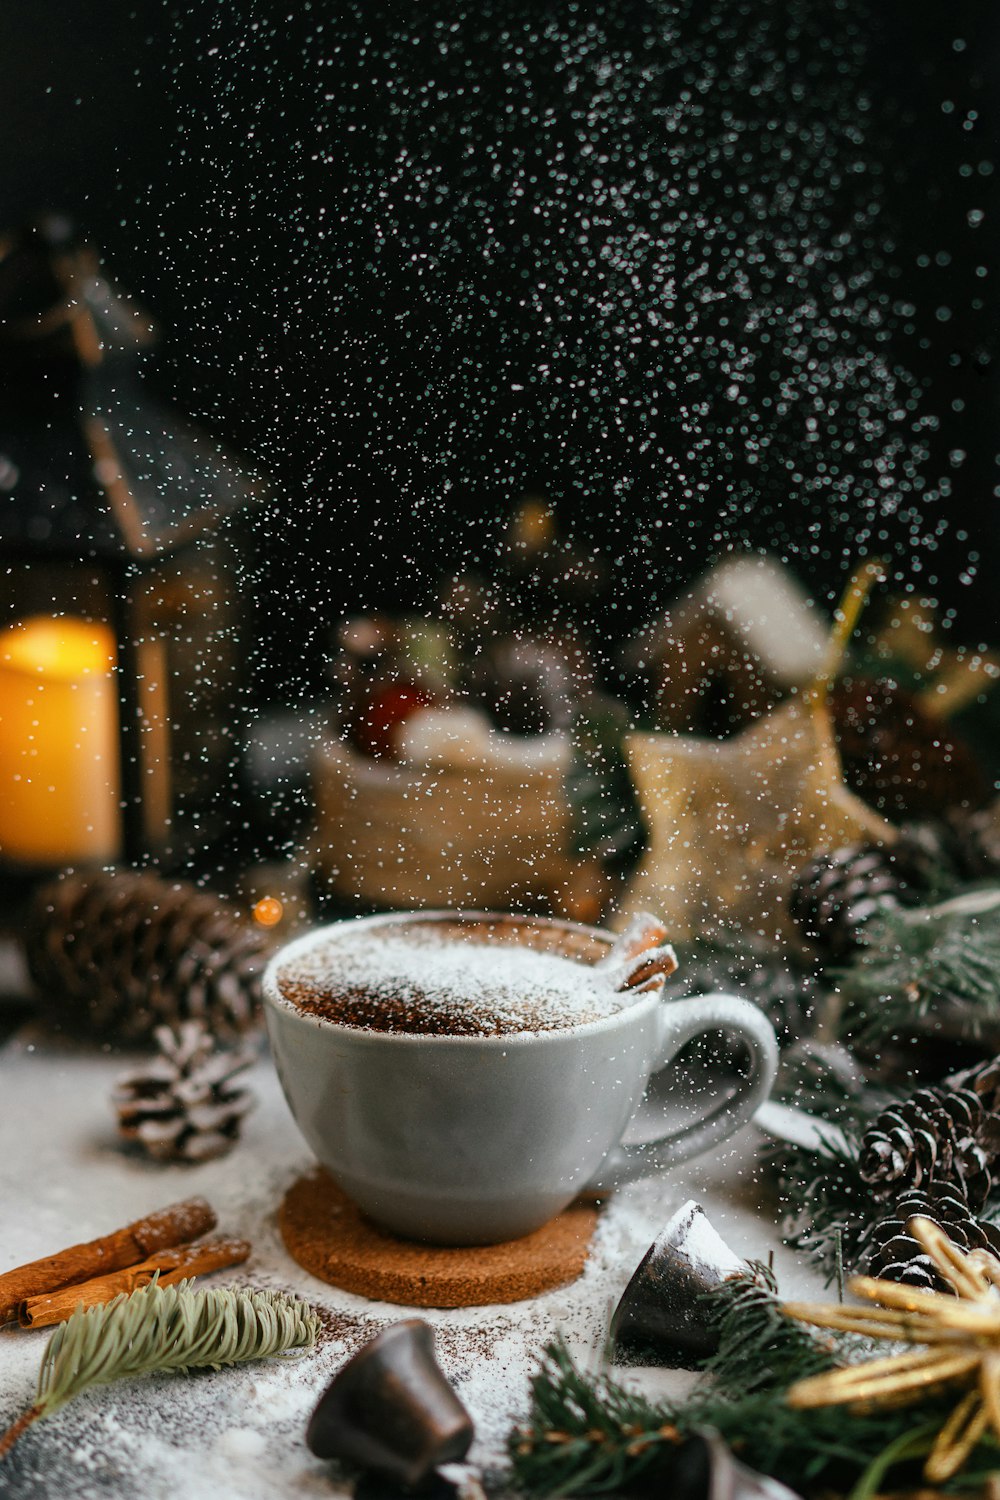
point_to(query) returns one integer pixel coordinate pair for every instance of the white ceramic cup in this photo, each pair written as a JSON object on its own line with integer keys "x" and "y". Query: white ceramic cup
{"x": 463, "y": 1140}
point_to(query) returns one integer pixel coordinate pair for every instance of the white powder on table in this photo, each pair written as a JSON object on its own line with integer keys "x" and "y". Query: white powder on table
{"x": 239, "y": 1433}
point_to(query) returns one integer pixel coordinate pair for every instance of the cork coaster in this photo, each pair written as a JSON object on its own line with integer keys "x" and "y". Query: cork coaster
{"x": 329, "y": 1236}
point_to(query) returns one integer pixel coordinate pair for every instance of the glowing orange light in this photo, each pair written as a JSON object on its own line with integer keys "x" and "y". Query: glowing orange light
{"x": 268, "y": 911}
{"x": 60, "y": 782}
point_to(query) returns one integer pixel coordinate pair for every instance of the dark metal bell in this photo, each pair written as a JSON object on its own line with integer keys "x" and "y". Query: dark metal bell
{"x": 391, "y": 1410}
{"x": 662, "y": 1309}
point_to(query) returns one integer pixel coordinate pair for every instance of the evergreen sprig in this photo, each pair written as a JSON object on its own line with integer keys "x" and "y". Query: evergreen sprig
{"x": 827, "y": 1206}
{"x": 759, "y": 1348}
{"x": 931, "y": 961}
{"x": 159, "y": 1329}
{"x": 586, "y": 1435}
{"x": 606, "y": 819}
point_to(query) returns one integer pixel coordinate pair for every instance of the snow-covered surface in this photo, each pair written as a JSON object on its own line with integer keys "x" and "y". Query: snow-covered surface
{"x": 239, "y": 1434}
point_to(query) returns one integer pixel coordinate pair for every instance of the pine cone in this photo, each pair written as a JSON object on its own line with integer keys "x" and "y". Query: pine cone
{"x": 837, "y": 892}
{"x": 977, "y": 835}
{"x": 983, "y": 1080}
{"x": 897, "y": 756}
{"x": 965, "y": 844}
{"x": 896, "y": 1255}
{"x": 183, "y": 1106}
{"x": 929, "y": 1141}
{"x": 117, "y": 954}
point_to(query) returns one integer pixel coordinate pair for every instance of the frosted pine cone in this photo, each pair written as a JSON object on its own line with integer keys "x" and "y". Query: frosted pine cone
{"x": 900, "y": 758}
{"x": 184, "y": 1106}
{"x": 931, "y": 1140}
{"x": 896, "y": 1255}
{"x": 983, "y": 1080}
{"x": 838, "y": 891}
{"x": 117, "y": 953}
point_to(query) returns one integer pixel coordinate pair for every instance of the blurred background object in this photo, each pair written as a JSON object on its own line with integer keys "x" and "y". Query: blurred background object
{"x": 121, "y": 669}
{"x": 415, "y": 313}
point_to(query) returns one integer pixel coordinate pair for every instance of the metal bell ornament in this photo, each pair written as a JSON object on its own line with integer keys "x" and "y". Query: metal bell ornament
{"x": 663, "y": 1308}
{"x": 391, "y": 1410}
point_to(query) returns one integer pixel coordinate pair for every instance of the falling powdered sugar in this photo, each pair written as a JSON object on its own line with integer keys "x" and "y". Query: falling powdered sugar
{"x": 451, "y": 982}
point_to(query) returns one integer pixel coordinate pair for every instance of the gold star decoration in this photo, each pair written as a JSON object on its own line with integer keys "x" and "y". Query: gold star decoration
{"x": 729, "y": 821}
{"x": 958, "y": 1339}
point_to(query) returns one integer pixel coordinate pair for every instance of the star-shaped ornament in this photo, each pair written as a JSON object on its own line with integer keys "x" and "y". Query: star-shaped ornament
{"x": 960, "y": 1336}
{"x": 728, "y": 822}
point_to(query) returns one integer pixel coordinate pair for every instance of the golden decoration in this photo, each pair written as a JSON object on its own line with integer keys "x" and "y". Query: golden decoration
{"x": 729, "y": 821}
{"x": 961, "y": 1335}
{"x": 955, "y": 676}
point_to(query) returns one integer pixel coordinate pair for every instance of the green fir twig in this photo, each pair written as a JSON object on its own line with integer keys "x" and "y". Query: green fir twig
{"x": 159, "y": 1329}
{"x": 759, "y": 1348}
{"x": 827, "y": 1205}
{"x": 934, "y": 962}
{"x": 586, "y": 1435}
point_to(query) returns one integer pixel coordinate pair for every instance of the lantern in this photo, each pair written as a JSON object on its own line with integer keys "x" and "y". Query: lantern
{"x": 120, "y": 538}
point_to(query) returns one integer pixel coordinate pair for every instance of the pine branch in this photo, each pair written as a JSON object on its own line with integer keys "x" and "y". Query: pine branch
{"x": 759, "y": 1348}
{"x": 586, "y": 1435}
{"x": 823, "y": 1080}
{"x": 826, "y": 1204}
{"x": 160, "y": 1329}
{"x": 590, "y": 1436}
{"x": 606, "y": 817}
{"x": 932, "y": 961}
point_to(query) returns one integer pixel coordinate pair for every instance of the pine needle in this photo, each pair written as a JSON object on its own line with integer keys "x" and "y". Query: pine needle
{"x": 827, "y": 1205}
{"x": 161, "y": 1329}
{"x": 760, "y": 1348}
{"x": 586, "y": 1435}
{"x": 936, "y": 961}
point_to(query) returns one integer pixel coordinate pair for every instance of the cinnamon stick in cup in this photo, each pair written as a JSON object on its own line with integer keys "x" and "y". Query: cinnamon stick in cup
{"x": 162, "y": 1230}
{"x": 172, "y": 1265}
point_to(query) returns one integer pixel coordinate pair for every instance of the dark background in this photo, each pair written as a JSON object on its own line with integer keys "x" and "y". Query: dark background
{"x": 222, "y": 158}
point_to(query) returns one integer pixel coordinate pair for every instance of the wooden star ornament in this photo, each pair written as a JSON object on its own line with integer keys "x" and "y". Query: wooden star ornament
{"x": 957, "y": 1339}
{"x": 729, "y": 821}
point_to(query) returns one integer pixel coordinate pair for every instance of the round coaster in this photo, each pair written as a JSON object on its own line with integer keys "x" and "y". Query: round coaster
{"x": 329, "y": 1236}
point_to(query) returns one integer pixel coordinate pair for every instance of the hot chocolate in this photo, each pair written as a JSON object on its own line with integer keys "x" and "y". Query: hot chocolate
{"x": 449, "y": 978}
{"x": 482, "y": 1067}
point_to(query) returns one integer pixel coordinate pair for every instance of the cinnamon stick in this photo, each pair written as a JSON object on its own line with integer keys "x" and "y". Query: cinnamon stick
{"x": 172, "y": 1265}
{"x": 171, "y": 1226}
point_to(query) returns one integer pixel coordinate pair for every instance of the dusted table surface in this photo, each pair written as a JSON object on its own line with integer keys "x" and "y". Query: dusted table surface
{"x": 238, "y": 1434}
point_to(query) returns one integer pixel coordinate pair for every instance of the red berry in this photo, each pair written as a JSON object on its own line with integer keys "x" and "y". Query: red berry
{"x": 390, "y": 707}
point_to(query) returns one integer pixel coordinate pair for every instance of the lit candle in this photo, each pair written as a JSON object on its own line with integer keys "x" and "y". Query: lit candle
{"x": 59, "y": 759}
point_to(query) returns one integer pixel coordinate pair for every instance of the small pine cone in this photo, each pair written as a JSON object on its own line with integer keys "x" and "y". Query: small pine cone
{"x": 963, "y": 846}
{"x": 929, "y": 1140}
{"x": 897, "y": 1256}
{"x": 974, "y": 842}
{"x": 184, "y": 1106}
{"x": 119, "y": 953}
{"x": 983, "y": 1080}
{"x": 899, "y": 757}
{"x": 837, "y": 892}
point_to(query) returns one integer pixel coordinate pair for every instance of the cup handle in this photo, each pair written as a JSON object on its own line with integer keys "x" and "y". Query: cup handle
{"x": 683, "y": 1020}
